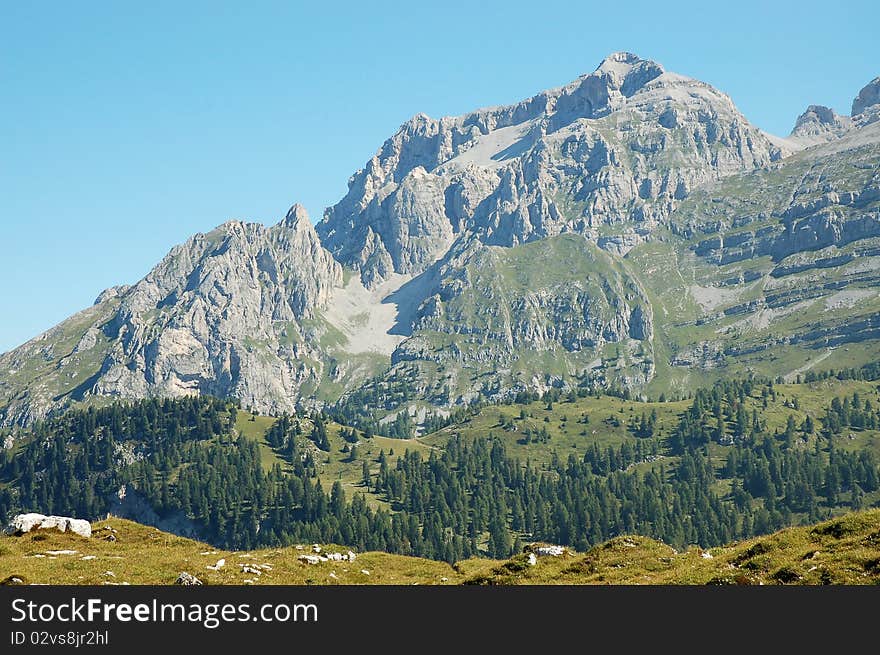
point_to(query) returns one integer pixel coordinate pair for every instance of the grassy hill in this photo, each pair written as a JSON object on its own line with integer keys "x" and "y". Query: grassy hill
{"x": 845, "y": 550}
{"x": 573, "y": 425}
{"x": 337, "y": 463}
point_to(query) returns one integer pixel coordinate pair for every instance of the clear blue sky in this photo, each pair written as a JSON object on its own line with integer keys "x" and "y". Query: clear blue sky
{"x": 126, "y": 127}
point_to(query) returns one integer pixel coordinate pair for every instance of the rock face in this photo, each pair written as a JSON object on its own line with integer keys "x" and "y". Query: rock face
{"x": 820, "y": 124}
{"x": 24, "y": 523}
{"x": 222, "y": 315}
{"x": 796, "y": 246}
{"x": 234, "y": 312}
{"x": 129, "y": 504}
{"x": 623, "y": 144}
{"x": 561, "y": 298}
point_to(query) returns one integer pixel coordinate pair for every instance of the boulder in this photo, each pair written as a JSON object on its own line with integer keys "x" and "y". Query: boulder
{"x": 24, "y": 523}
{"x": 551, "y": 551}
{"x": 187, "y": 579}
{"x": 12, "y": 580}
{"x": 312, "y": 559}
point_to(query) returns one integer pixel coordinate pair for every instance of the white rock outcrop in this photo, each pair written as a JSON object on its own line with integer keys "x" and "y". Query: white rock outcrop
{"x": 549, "y": 551}
{"x": 24, "y": 523}
{"x": 187, "y": 579}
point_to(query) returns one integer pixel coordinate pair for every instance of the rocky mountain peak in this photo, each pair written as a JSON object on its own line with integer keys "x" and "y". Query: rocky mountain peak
{"x": 819, "y": 124}
{"x": 628, "y": 72}
{"x": 603, "y": 143}
{"x": 220, "y": 314}
{"x": 816, "y": 114}
{"x": 297, "y": 217}
{"x": 868, "y": 99}
{"x": 619, "y": 59}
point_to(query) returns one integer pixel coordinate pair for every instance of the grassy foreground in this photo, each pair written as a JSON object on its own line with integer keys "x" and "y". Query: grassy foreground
{"x": 844, "y": 550}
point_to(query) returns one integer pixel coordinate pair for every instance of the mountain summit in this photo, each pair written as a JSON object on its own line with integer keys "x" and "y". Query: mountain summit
{"x": 623, "y": 144}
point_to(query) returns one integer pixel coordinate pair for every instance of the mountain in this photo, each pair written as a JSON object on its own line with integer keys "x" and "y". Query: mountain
{"x": 228, "y": 313}
{"x": 866, "y": 106}
{"x": 631, "y": 229}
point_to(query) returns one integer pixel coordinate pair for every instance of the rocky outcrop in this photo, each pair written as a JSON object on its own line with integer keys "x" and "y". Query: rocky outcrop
{"x": 234, "y": 312}
{"x": 24, "y": 523}
{"x": 568, "y": 295}
{"x": 112, "y": 292}
{"x": 221, "y": 314}
{"x": 129, "y": 504}
{"x": 820, "y": 124}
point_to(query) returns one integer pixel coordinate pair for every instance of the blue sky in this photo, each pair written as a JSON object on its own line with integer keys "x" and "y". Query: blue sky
{"x": 126, "y": 127}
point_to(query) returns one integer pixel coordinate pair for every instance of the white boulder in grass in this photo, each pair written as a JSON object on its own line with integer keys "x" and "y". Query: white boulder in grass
{"x": 24, "y": 523}
{"x": 549, "y": 551}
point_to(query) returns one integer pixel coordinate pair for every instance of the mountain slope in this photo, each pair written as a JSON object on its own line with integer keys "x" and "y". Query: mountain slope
{"x": 778, "y": 267}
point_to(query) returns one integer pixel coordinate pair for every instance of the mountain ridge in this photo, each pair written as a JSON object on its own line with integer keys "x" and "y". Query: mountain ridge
{"x": 403, "y": 278}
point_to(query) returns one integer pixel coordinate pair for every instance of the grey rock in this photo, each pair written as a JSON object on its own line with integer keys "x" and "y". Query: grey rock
{"x": 549, "y": 551}
{"x": 12, "y": 580}
{"x": 222, "y": 314}
{"x": 128, "y": 503}
{"x": 112, "y": 292}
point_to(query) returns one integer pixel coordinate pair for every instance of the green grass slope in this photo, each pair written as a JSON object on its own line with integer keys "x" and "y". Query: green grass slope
{"x": 845, "y": 550}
